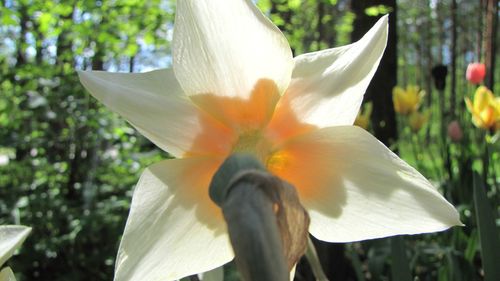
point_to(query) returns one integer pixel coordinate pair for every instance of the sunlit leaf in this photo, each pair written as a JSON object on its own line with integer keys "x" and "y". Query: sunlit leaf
{"x": 374, "y": 11}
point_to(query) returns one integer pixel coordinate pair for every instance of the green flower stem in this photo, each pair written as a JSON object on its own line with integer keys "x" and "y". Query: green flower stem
{"x": 400, "y": 269}
{"x": 443, "y": 132}
{"x": 486, "y": 158}
{"x": 490, "y": 162}
{"x": 267, "y": 225}
{"x": 435, "y": 166}
{"x": 314, "y": 262}
{"x": 415, "y": 152}
{"x": 493, "y": 167}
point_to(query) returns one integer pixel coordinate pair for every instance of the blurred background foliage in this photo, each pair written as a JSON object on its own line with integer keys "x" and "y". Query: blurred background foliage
{"x": 68, "y": 165}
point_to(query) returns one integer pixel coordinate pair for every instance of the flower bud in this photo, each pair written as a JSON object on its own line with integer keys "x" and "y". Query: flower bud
{"x": 417, "y": 120}
{"x": 439, "y": 73}
{"x": 475, "y": 72}
{"x": 455, "y": 131}
{"x": 363, "y": 118}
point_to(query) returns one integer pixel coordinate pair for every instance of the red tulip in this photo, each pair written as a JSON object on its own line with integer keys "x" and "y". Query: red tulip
{"x": 475, "y": 72}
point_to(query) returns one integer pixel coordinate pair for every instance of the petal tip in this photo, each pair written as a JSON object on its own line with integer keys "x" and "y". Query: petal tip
{"x": 381, "y": 27}
{"x": 80, "y": 73}
{"x": 85, "y": 76}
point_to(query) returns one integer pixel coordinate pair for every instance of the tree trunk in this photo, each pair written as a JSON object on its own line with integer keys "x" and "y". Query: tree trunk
{"x": 380, "y": 89}
{"x": 22, "y": 148}
{"x": 490, "y": 38}
{"x": 453, "y": 95}
{"x": 428, "y": 54}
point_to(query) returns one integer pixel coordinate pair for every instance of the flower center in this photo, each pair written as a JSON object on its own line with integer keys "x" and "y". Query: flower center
{"x": 255, "y": 143}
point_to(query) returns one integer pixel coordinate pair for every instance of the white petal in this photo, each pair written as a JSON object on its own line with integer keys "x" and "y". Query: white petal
{"x": 173, "y": 229}
{"x": 225, "y": 47}
{"x": 11, "y": 237}
{"x": 355, "y": 188}
{"x": 154, "y": 103}
{"x": 7, "y": 275}
{"x": 213, "y": 275}
{"x": 292, "y": 272}
{"x": 327, "y": 87}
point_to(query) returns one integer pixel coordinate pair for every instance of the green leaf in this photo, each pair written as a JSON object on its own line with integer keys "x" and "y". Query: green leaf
{"x": 264, "y": 5}
{"x": 149, "y": 38}
{"x": 374, "y": 11}
{"x": 44, "y": 21}
{"x": 131, "y": 50}
{"x": 400, "y": 269}
{"x": 277, "y": 19}
{"x": 488, "y": 232}
{"x": 294, "y": 4}
{"x": 454, "y": 271}
{"x": 8, "y": 17}
{"x": 472, "y": 245}
{"x": 442, "y": 274}
{"x": 357, "y": 265}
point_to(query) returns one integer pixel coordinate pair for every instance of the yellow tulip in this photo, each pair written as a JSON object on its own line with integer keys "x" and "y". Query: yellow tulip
{"x": 363, "y": 118}
{"x": 418, "y": 119}
{"x": 407, "y": 101}
{"x": 485, "y": 109}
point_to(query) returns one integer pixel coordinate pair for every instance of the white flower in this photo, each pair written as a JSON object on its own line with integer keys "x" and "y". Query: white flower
{"x": 234, "y": 86}
{"x": 11, "y": 238}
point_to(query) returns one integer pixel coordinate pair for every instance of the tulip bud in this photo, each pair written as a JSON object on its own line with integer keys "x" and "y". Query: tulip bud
{"x": 455, "y": 131}
{"x": 417, "y": 120}
{"x": 475, "y": 72}
{"x": 439, "y": 73}
{"x": 363, "y": 118}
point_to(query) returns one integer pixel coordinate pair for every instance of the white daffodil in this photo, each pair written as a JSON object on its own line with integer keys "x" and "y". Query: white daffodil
{"x": 11, "y": 238}
{"x": 234, "y": 87}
